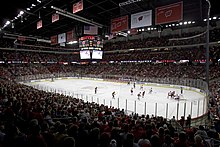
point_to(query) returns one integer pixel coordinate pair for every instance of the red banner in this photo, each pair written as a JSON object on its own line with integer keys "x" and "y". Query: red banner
{"x": 169, "y": 13}
{"x": 133, "y": 31}
{"x": 54, "y": 40}
{"x": 87, "y": 38}
{"x": 78, "y": 6}
{"x": 39, "y": 24}
{"x": 55, "y": 17}
{"x": 119, "y": 24}
{"x": 70, "y": 36}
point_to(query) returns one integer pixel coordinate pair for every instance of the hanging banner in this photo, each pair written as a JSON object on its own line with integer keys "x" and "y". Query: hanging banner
{"x": 78, "y": 6}
{"x": 39, "y": 24}
{"x": 169, "y": 13}
{"x": 70, "y": 36}
{"x": 55, "y": 17}
{"x": 53, "y": 40}
{"x": 141, "y": 19}
{"x": 90, "y": 30}
{"x": 62, "y": 38}
{"x": 119, "y": 24}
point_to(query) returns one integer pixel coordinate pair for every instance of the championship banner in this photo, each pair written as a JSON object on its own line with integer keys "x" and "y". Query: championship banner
{"x": 55, "y": 17}
{"x": 78, "y": 6}
{"x": 53, "y": 40}
{"x": 70, "y": 36}
{"x": 169, "y": 13}
{"x": 119, "y": 24}
{"x": 62, "y": 38}
{"x": 39, "y": 24}
{"x": 141, "y": 19}
{"x": 90, "y": 30}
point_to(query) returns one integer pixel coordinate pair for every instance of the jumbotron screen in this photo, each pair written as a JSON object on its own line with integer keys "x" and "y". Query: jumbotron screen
{"x": 85, "y": 54}
{"x": 97, "y": 54}
{"x": 91, "y": 43}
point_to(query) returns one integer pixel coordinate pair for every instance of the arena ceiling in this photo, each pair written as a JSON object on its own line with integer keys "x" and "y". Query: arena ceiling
{"x": 101, "y": 11}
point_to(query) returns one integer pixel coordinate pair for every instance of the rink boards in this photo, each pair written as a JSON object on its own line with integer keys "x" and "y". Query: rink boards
{"x": 193, "y": 102}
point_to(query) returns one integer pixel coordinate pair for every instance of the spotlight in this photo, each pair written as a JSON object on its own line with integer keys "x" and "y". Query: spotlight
{"x": 21, "y": 13}
{"x": 7, "y": 22}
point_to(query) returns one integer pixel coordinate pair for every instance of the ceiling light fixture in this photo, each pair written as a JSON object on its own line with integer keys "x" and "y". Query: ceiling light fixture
{"x": 7, "y": 22}
{"x": 21, "y": 12}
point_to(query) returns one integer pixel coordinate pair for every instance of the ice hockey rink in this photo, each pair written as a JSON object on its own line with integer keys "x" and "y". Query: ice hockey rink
{"x": 155, "y": 103}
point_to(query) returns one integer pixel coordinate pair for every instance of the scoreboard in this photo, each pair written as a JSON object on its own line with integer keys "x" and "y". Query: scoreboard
{"x": 91, "y": 47}
{"x": 90, "y": 43}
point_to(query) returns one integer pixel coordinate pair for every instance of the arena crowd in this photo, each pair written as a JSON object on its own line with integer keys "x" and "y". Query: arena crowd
{"x": 35, "y": 118}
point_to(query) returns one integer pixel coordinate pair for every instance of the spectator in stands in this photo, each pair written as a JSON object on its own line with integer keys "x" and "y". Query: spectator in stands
{"x": 182, "y": 140}
{"x": 129, "y": 142}
{"x": 198, "y": 141}
{"x": 20, "y": 103}
{"x": 168, "y": 142}
{"x": 68, "y": 142}
{"x": 182, "y": 121}
{"x": 35, "y": 139}
{"x": 105, "y": 140}
{"x": 144, "y": 142}
{"x": 155, "y": 140}
{"x": 188, "y": 121}
{"x": 13, "y": 137}
{"x": 201, "y": 131}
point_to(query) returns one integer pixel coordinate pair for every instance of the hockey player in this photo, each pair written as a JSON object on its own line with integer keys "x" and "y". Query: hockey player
{"x": 143, "y": 93}
{"x": 139, "y": 95}
{"x": 172, "y": 94}
{"x": 142, "y": 87}
{"x": 113, "y": 94}
{"x": 132, "y": 91}
{"x": 150, "y": 91}
{"x": 176, "y": 97}
{"x": 95, "y": 90}
{"x": 169, "y": 94}
{"x": 129, "y": 82}
{"x": 181, "y": 90}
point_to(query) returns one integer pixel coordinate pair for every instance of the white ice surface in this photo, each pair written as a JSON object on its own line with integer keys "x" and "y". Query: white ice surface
{"x": 156, "y": 102}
